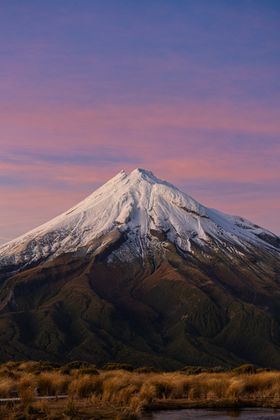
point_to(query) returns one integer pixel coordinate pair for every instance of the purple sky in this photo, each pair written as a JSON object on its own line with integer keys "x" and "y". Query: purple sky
{"x": 189, "y": 89}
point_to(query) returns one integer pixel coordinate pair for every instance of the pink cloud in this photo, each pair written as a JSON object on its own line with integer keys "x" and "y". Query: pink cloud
{"x": 22, "y": 210}
{"x": 222, "y": 167}
{"x": 103, "y": 124}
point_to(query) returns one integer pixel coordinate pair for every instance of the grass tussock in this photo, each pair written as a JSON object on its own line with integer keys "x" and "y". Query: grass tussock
{"x": 85, "y": 386}
{"x": 7, "y": 386}
{"x": 52, "y": 383}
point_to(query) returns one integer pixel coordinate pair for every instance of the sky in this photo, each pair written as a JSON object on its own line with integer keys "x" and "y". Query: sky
{"x": 189, "y": 89}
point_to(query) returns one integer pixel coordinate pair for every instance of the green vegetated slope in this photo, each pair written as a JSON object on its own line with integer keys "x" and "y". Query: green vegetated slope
{"x": 174, "y": 311}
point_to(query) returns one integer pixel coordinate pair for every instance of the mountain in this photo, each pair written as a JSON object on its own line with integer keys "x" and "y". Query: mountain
{"x": 140, "y": 272}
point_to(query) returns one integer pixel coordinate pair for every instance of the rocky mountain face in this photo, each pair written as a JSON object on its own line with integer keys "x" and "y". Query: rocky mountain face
{"x": 140, "y": 272}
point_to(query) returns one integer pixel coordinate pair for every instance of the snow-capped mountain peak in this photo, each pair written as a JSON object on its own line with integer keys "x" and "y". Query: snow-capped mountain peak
{"x": 148, "y": 211}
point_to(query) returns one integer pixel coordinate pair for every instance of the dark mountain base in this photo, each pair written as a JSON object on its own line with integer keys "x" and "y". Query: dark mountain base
{"x": 209, "y": 310}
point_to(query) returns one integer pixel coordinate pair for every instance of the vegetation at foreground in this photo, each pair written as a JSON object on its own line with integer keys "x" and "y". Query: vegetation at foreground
{"x": 92, "y": 393}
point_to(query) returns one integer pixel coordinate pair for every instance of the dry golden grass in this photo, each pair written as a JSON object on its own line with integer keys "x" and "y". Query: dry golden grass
{"x": 132, "y": 392}
{"x": 7, "y": 385}
{"x": 85, "y": 386}
{"x": 52, "y": 383}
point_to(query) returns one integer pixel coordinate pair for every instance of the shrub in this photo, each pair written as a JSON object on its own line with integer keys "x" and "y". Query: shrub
{"x": 66, "y": 369}
{"x": 78, "y": 364}
{"x": 192, "y": 370}
{"x": 146, "y": 369}
{"x": 88, "y": 371}
{"x": 217, "y": 369}
{"x": 244, "y": 369}
{"x": 118, "y": 366}
{"x": 11, "y": 364}
{"x": 261, "y": 370}
{"x": 44, "y": 366}
{"x": 8, "y": 373}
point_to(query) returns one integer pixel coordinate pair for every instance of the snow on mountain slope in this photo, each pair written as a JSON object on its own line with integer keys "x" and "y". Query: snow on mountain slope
{"x": 142, "y": 206}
